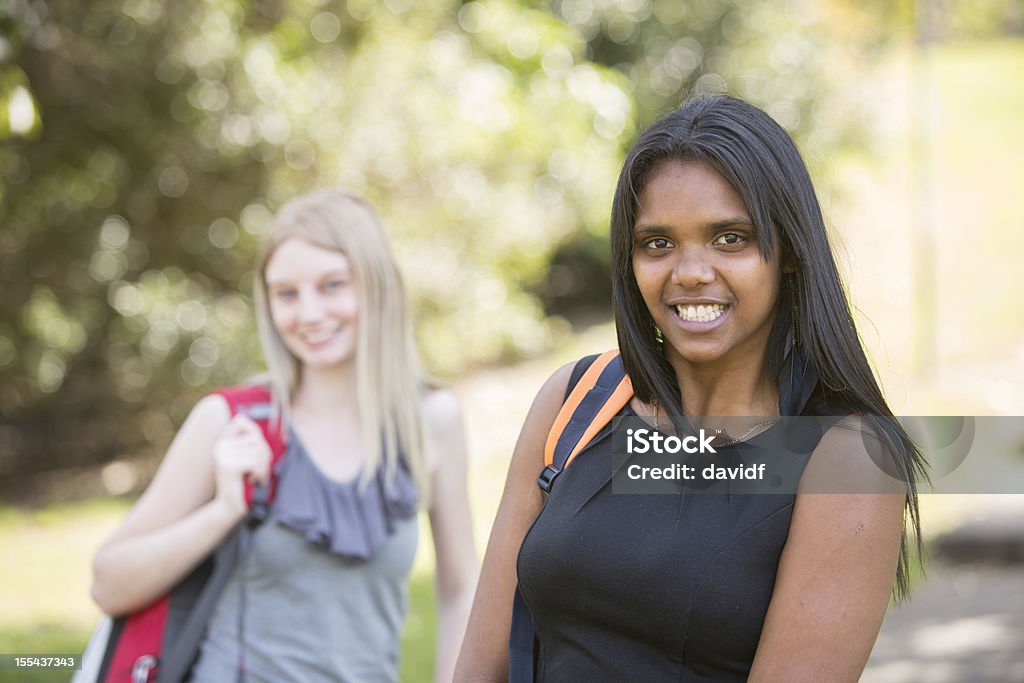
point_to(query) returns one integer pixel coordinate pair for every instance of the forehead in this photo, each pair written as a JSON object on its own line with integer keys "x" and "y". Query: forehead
{"x": 296, "y": 260}
{"x": 687, "y": 192}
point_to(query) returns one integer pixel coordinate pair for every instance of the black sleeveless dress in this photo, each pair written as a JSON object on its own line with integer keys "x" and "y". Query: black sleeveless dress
{"x": 655, "y": 587}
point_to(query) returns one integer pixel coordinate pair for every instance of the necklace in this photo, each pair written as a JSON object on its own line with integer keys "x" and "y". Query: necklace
{"x": 767, "y": 423}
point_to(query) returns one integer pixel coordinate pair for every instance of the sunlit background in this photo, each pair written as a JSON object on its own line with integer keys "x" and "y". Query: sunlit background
{"x": 144, "y": 147}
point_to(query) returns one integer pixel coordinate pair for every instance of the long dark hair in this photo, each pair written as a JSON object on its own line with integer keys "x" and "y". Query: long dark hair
{"x": 756, "y": 156}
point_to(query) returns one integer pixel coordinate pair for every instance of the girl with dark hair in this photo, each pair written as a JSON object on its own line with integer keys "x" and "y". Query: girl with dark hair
{"x": 728, "y": 303}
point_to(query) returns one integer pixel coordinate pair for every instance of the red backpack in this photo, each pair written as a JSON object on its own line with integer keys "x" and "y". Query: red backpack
{"x": 160, "y": 642}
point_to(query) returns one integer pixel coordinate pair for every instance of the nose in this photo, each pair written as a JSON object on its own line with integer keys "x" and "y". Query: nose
{"x": 693, "y": 268}
{"x": 311, "y": 308}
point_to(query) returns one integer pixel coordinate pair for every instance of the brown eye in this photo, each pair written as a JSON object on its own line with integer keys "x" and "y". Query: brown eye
{"x": 657, "y": 243}
{"x": 730, "y": 239}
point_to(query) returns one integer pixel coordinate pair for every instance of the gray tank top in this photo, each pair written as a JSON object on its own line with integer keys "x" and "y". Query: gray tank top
{"x": 322, "y": 593}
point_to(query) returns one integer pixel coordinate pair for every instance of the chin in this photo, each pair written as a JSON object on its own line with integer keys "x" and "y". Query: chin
{"x": 325, "y": 359}
{"x": 696, "y": 355}
{"x": 326, "y": 362}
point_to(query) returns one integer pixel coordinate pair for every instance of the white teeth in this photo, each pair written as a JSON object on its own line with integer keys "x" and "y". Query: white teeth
{"x": 704, "y": 313}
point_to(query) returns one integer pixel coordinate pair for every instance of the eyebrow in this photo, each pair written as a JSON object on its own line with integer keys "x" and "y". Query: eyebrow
{"x": 710, "y": 227}
{"x": 337, "y": 272}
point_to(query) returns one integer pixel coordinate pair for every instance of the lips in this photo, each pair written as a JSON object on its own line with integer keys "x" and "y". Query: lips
{"x": 320, "y": 337}
{"x": 700, "y": 317}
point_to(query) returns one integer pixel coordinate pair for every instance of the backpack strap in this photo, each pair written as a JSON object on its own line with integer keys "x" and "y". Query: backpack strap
{"x": 598, "y": 396}
{"x": 179, "y": 652}
{"x": 592, "y": 401}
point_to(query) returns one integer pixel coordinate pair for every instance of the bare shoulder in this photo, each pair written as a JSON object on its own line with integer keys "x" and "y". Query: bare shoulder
{"x": 185, "y": 478}
{"x": 192, "y": 447}
{"x": 849, "y": 491}
{"x": 210, "y": 412}
{"x": 441, "y": 408}
{"x": 443, "y": 432}
{"x": 557, "y": 384}
{"x": 552, "y": 393}
{"x": 528, "y": 456}
{"x": 204, "y": 424}
{"x": 442, "y": 422}
{"x": 851, "y": 457}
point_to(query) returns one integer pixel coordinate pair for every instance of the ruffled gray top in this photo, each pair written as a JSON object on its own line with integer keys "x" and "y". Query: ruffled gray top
{"x": 322, "y": 594}
{"x": 342, "y": 517}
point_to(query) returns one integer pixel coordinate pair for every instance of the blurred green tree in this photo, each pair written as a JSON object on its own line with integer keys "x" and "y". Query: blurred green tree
{"x": 105, "y": 180}
{"x": 146, "y": 146}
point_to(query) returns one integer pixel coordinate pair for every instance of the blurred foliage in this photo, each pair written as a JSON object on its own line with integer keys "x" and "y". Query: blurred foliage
{"x": 145, "y": 146}
{"x": 118, "y": 294}
{"x": 783, "y": 55}
{"x": 148, "y": 144}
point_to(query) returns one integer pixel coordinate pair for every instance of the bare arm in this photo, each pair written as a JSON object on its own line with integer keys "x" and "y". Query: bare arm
{"x": 195, "y": 499}
{"x": 451, "y": 526}
{"x": 484, "y": 655}
{"x": 836, "y": 572}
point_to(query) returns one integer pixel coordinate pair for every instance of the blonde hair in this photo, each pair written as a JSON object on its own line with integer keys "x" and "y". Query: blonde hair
{"x": 389, "y": 380}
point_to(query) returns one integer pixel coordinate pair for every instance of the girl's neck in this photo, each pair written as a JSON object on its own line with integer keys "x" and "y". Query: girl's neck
{"x": 326, "y": 391}
{"x": 743, "y": 390}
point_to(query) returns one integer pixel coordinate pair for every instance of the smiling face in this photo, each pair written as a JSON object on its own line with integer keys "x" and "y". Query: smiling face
{"x": 699, "y": 269}
{"x": 314, "y": 302}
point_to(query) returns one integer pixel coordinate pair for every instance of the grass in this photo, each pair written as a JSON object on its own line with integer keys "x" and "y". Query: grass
{"x": 44, "y": 580}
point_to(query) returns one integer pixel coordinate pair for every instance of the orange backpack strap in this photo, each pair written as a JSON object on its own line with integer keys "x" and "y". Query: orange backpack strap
{"x": 599, "y": 395}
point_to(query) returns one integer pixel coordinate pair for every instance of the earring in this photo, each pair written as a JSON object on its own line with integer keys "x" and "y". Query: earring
{"x": 659, "y": 339}
{"x": 833, "y": 387}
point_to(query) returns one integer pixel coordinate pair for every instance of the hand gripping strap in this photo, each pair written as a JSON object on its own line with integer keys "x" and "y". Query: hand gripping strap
{"x": 256, "y": 402}
{"x": 163, "y": 638}
{"x": 599, "y": 395}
